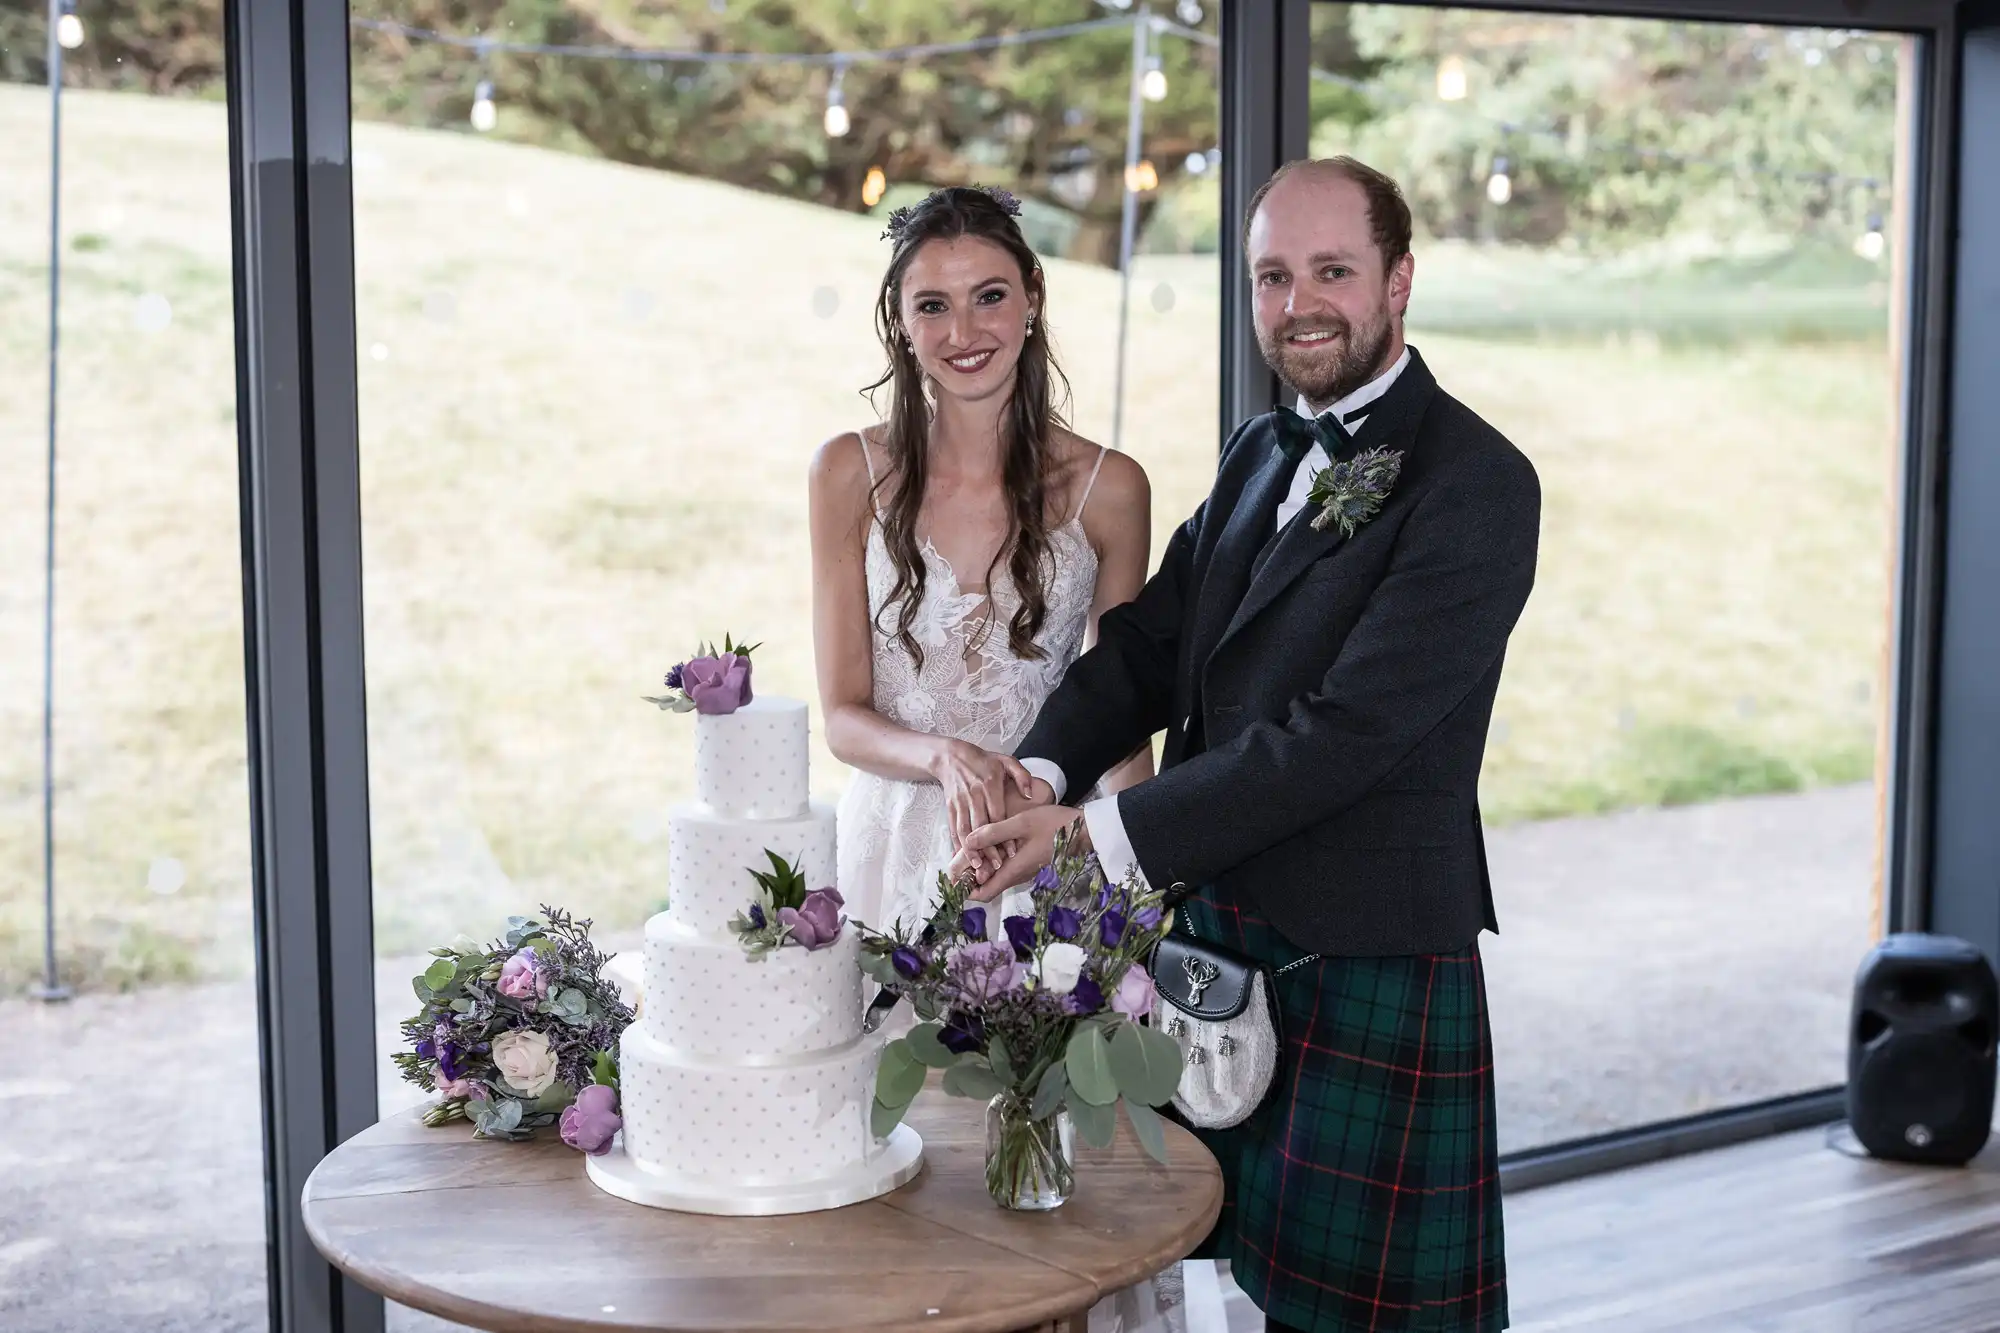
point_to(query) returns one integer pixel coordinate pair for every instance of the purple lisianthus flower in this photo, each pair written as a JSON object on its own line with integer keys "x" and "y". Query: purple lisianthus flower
{"x": 719, "y": 684}
{"x": 521, "y": 977}
{"x": 963, "y": 1032}
{"x": 815, "y": 922}
{"x": 908, "y": 962}
{"x": 984, "y": 972}
{"x": 674, "y": 676}
{"x": 1064, "y": 923}
{"x": 1134, "y": 996}
{"x": 1085, "y": 998}
{"x": 1146, "y": 918}
{"x": 427, "y": 1048}
{"x": 756, "y": 915}
{"x": 1021, "y": 934}
{"x": 1046, "y": 881}
{"x": 972, "y": 923}
{"x": 1111, "y": 928}
{"x": 589, "y": 1122}
{"x": 451, "y": 1061}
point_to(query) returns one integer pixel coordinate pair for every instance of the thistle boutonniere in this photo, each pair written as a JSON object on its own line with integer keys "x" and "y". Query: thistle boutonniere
{"x": 1350, "y": 493}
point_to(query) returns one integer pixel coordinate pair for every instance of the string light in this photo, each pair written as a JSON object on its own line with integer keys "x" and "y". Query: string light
{"x": 1871, "y": 243}
{"x": 69, "y": 28}
{"x": 1197, "y": 163}
{"x": 1499, "y": 186}
{"x": 1189, "y": 12}
{"x": 1142, "y": 177}
{"x": 873, "y": 188}
{"x": 1154, "y": 85}
{"x": 484, "y": 114}
{"x": 837, "y": 121}
{"x": 1451, "y": 79}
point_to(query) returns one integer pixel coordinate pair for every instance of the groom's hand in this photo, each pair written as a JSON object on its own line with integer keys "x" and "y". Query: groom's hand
{"x": 1027, "y": 842}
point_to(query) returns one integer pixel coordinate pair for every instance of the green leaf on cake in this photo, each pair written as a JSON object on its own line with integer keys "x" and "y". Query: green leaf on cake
{"x": 1094, "y": 1124}
{"x": 1146, "y": 1124}
{"x": 883, "y": 1119}
{"x": 1088, "y": 1063}
{"x": 784, "y": 883}
{"x": 899, "y": 1076}
{"x": 1146, "y": 1071}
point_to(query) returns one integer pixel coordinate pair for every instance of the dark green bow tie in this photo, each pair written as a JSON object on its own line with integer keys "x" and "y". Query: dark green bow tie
{"x": 1297, "y": 435}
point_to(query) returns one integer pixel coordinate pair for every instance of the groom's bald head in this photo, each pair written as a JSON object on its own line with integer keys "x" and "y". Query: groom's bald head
{"x": 1311, "y": 182}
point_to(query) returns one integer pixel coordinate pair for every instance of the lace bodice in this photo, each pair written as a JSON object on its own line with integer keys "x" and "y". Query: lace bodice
{"x": 971, "y": 686}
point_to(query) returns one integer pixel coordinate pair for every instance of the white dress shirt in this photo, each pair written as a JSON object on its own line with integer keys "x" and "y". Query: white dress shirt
{"x": 1101, "y": 817}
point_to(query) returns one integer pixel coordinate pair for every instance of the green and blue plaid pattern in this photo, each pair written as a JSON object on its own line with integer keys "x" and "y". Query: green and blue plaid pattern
{"x": 1363, "y": 1196}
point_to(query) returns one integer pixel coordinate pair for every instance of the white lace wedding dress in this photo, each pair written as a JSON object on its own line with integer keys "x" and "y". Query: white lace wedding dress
{"x": 895, "y": 836}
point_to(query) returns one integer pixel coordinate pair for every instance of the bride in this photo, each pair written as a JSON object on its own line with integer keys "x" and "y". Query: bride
{"x": 962, "y": 550}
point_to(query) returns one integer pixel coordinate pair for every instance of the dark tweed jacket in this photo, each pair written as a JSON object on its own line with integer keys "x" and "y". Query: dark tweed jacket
{"x": 1326, "y": 714}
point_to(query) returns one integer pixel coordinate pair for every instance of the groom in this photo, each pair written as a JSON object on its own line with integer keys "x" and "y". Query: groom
{"x": 1321, "y": 646}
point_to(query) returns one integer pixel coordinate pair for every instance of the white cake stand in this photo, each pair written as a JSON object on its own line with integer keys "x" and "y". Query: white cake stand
{"x": 895, "y": 1166}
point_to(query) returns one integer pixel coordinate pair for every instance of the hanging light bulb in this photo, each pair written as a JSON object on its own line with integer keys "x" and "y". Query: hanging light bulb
{"x": 1142, "y": 176}
{"x": 484, "y": 114}
{"x": 1197, "y": 163}
{"x": 1154, "y": 85}
{"x": 1871, "y": 243}
{"x": 1499, "y": 186}
{"x": 1189, "y": 12}
{"x": 874, "y": 187}
{"x": 69, "y": 28}
{"x": 1451, "y": 79}
{"x": 837, "y": 121}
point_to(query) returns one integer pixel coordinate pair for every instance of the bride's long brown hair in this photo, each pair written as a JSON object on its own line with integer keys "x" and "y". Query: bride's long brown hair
{"x": 1028, "y": 426}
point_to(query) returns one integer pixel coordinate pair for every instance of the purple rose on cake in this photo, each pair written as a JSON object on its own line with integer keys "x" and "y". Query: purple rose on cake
{"x": 718, "y": 684}
{"x": 815, "y": 922}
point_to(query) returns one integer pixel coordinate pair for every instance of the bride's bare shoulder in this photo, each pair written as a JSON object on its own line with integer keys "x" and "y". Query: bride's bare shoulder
{"x": 1118, "y": 481}
{"x": 839, "y": 465}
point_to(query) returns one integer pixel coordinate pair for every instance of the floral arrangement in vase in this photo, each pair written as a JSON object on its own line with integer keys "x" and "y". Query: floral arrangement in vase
{"x": 783, "y": 912}
{"x": 520, "y": 1034}
{"x": 1036, "y": 1014}
{"x": 709, "y": 682}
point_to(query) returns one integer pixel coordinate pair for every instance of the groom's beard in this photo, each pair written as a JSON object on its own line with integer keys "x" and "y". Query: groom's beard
{"x": 1329, "y": 372}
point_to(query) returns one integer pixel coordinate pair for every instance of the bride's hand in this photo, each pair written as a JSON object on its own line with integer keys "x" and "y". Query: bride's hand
{"x": 980, "y": 787}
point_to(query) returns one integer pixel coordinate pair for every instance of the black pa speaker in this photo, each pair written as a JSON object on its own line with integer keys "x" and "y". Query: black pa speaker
{"x": 1920, "y": 1055}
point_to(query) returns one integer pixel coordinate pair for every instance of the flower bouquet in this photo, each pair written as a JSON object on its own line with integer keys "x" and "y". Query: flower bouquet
{"x": 784, "y": 913}
{"x": 710, "y": 681}
{"x": 520, "y": 1034}
{"x": 1036, "y": 1014}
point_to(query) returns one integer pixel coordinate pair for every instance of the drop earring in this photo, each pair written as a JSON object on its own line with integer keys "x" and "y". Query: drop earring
{"x": 1031, "y": 326}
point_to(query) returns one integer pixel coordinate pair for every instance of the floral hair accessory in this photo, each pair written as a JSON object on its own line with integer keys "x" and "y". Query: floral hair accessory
{"x": 900, "y": 219}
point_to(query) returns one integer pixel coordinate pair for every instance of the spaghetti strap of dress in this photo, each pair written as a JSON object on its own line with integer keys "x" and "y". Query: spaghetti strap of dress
{"x": 868, "y": 461}
{"x": 1101, "y": 452}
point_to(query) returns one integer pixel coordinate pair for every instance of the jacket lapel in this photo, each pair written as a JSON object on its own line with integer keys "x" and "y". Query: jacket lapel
{"x": 1249, "y": 525}
{"x": 1392, "y": 425}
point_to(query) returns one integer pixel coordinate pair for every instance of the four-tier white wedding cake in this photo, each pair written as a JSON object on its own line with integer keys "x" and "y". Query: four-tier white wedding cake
{"x": 746, "y": 1084}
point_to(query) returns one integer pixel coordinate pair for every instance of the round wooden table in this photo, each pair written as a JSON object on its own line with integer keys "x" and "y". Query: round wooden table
{"x": 512, "y": 1236}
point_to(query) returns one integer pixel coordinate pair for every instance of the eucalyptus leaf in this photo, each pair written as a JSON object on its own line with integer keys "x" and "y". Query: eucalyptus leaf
{"x": 899, "y": 1076}
{"x": 925, "y": 1046}
{"x": 1146, "y": 1072}
{"x": 1089, "y": 1066}
{"x": 1001, "y": 1060}
{"x": 883, "y": 1118}
{"x": 461, "y": 1005}
{"x": 1146, "y": 1124}
{"x": 1094, "y": 1124}
{"x": 1049, "y": 1093}
{"x": 571, "y": 1001}
{"x": 440, "y": 974}
{"x": 424, "y": 992}
{"x": 973, "y": 1078}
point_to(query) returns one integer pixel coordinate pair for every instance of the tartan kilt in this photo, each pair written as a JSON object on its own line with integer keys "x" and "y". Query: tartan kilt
{"x": 1364, "y": 1194}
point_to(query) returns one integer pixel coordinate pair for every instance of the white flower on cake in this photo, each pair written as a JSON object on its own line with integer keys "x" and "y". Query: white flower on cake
{"x": 525, "y": 1061}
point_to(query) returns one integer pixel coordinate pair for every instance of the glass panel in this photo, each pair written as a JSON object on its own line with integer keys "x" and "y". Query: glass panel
{"x": 1662, "y": 258}
{"x": 133, "y": 1144}
{"x": 608, "y": 309}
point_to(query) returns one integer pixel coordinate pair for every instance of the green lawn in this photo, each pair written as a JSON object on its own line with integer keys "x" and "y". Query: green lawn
{"x": 588, "y": 397}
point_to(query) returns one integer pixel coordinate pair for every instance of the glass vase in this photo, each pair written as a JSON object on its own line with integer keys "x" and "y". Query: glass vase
{"x": 1030, "y": 1164}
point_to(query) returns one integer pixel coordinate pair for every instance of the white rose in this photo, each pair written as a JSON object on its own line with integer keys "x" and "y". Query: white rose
{"x": 525, "y": 1061}
{"x": 1061, "y": 965}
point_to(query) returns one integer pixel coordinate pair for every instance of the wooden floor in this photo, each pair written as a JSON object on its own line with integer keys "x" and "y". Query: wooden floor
{"x": 1784, "y": 1235}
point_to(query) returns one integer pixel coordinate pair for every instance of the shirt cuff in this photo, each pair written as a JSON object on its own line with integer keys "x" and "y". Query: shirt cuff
{"x": 1047, "y": 771}
{"x": 1108, "y": 839}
